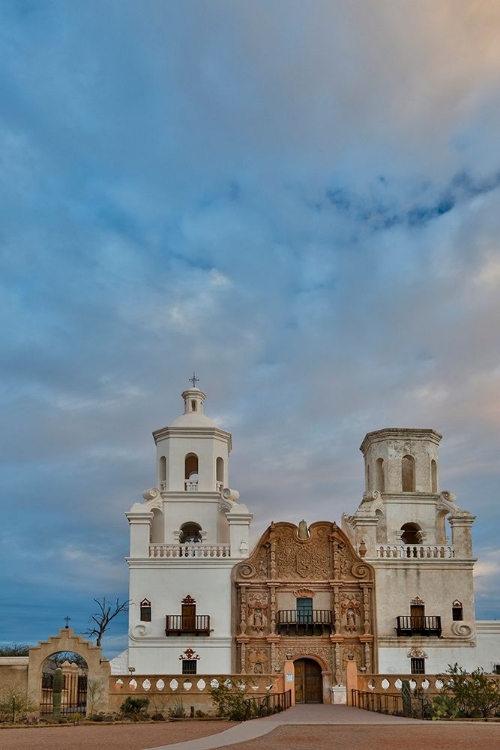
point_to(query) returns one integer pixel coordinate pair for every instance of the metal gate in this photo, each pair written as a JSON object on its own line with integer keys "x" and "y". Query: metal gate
{"x": 73, "y": 696}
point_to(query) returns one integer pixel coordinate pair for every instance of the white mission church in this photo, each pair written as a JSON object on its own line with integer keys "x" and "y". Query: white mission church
{"x": 391, "y": 587}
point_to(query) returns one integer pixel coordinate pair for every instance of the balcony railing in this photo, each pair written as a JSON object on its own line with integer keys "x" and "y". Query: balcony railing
{"x": 190, "y": 550}
{"x": 183, "y": 624}
{"x": 296, "y": 622}
{"x": 409, "y": 625}
{"x": 415, "y": 551}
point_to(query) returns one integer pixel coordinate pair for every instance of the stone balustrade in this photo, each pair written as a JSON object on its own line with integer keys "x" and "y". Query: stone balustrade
{"x": 415, "y": 551}
{"x": 189, "y": 550}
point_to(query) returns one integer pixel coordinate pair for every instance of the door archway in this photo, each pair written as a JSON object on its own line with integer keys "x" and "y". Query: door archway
{"x": 308, "y": 681}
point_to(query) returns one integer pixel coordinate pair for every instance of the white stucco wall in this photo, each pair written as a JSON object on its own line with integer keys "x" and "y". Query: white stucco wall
{"x": 165, "y": 584}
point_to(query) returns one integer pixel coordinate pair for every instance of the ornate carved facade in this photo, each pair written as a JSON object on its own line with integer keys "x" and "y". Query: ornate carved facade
{"x": 304, "y": 591}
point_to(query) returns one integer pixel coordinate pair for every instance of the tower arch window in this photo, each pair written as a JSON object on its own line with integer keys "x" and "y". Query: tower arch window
{"x": 434, "y": 477}
{"x": 163, "y": 472}
{"x": 191, "y": 466}
{"x": 145, "y": 610}
{"x": 219, "y": 470}
{"x": 408, "y": 474}
{"x": 190, "y": 533}
{"x": 191, "y": 472}
{"x": 380, "y": 475}
{"x": 411, "y": 533}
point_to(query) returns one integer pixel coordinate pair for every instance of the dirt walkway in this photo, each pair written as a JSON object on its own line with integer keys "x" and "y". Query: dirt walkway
{"x": 442, "y": 736}
{"x": 437, "y": 735}
{"x": 108, "y": 736}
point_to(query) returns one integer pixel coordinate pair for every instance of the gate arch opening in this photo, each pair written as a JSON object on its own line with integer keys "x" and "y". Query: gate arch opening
{"x": 64, "y": 685}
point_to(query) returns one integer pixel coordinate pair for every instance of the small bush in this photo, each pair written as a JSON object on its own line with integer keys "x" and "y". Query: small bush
{"x": 158, "y": 717}
{"x": 230, "y": 704}
{"x": 177, "y": 711}
{"x": 134, "y": 708}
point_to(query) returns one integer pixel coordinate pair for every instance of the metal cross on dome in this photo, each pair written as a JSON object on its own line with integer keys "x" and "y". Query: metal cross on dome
{"x": 194, "y": 380}
{"x": 67, "y": 619}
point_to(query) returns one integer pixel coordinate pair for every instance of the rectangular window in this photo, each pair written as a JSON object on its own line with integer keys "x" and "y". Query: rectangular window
{"x": 145, "y": 611}
{"x": 304, "y": 610}
{"x": 418, "y": 666}
{"x": 189, "y": 666}
{"x": 457, "y": 614}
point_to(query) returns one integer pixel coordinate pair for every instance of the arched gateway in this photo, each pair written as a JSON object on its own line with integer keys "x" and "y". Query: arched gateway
{"x": 304, "y": 594}
{"x": 96, "y": 672}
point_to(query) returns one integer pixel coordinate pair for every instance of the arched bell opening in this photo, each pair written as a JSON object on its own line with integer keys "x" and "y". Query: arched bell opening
{"x": 190, "y": 533}
{"x": 411, "y": 533}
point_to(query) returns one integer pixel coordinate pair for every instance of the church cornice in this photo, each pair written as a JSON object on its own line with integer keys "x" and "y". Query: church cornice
{"x": 192, "y": 432}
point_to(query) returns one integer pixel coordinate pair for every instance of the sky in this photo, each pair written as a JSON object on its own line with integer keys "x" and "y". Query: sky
{"x": 299, "y": 201}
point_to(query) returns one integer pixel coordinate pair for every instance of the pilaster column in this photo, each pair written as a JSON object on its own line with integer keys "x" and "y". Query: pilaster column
{"x": 140, "y": 526}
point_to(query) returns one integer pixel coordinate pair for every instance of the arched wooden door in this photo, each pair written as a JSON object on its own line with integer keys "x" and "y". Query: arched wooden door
{"x": 308, "y": 681}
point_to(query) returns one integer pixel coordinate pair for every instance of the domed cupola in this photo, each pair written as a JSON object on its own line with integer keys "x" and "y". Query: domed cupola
{"x": 192, "y": 452}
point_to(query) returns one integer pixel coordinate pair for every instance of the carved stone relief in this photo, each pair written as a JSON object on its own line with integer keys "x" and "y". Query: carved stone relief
{"x": 257, "y": 613}
{"x": 351, "y": 612}
{"x": 257, "y": 660}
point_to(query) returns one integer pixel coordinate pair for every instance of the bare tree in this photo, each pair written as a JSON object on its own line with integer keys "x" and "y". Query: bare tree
{"x": 100, "y": 620}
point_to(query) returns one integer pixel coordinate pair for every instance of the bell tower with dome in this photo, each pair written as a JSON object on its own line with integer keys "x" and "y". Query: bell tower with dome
{"x": 185, "y": 539}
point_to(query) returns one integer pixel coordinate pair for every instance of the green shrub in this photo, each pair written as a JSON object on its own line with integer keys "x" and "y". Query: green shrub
{"x": 466, "y": 694}
{"x": 134, "y": 708}
{"x": 177, "y": 711}
{"x": 231, "y": 704}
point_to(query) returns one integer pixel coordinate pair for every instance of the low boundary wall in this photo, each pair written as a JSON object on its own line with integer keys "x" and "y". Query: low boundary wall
{"x": 169, "y": 692}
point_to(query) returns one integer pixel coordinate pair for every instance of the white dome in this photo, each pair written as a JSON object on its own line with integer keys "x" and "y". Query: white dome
{"x": 193, "y": 419}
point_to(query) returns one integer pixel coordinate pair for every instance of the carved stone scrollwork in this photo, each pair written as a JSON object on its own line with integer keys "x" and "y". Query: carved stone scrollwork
{"x": 359, "y": 570}
{"x": 140, "y": 630}
{"x": 247, "y": 570}
{"x": 462, "y": 629}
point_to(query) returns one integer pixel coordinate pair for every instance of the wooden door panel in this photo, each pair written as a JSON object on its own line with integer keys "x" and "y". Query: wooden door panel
{"x": 308, "y": 681}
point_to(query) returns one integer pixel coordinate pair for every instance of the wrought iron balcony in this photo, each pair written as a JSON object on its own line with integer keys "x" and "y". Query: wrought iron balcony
{"x": 183, "y": 625}
{"x": 422, "y": 625}
{"x": 296, "y": 622}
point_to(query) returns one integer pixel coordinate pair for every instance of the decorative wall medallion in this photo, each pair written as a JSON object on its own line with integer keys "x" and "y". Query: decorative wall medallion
{"x": 189, "y": 654}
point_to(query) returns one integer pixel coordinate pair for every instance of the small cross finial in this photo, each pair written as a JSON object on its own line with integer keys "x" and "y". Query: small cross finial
{"x": 67, "y": 619}
{"x": 194, "y": 380}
